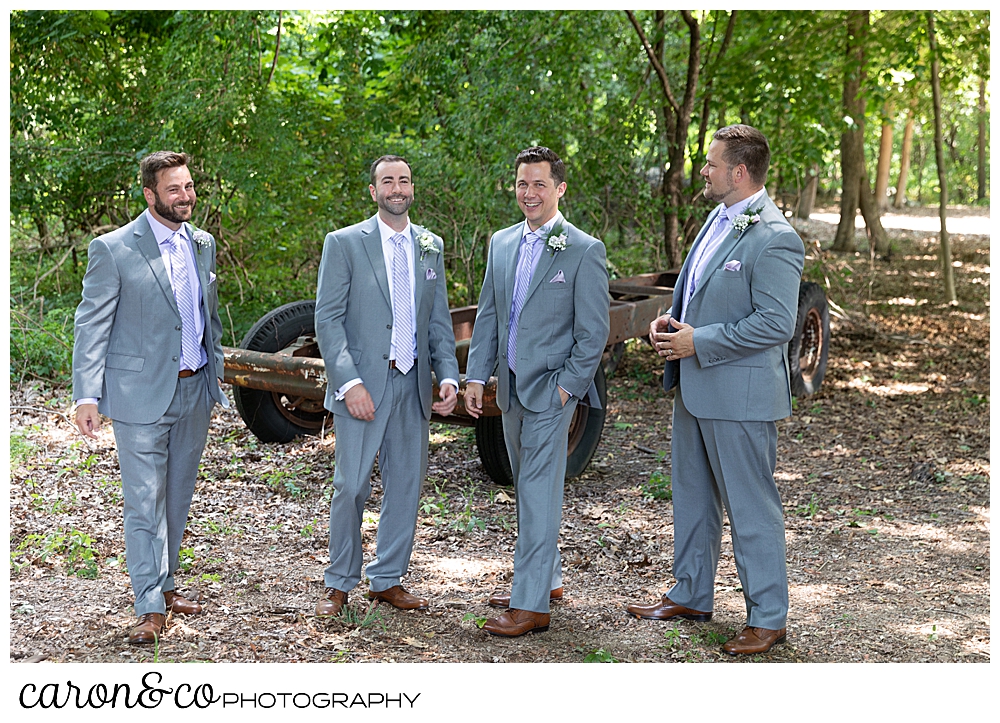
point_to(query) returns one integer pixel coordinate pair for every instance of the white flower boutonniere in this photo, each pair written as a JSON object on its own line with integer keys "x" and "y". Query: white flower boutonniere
{"x": 426, "y": 243}
{"x": 746, "y": 219}
{"x": 556, "y": 240}
{"x": 202, "y": 240}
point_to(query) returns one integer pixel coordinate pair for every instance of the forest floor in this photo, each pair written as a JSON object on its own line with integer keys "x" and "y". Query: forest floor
{"x": 884, "y": 475}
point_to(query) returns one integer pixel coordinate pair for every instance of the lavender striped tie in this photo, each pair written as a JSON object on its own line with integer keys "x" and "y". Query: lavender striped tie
{"x": 522, "y": 280}
{"x": 402, "y": 311}
{"x": 183, "y": 294}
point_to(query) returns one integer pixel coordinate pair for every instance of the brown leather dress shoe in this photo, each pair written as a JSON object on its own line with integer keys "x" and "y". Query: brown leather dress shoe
{"x": 516, "y": 622}
{"x": 667, "y": 609}
{"x": 147, "y": 630}
{"x": 332, "y": 603}
{"x": 754, "y": 640}
{"x": 180, "y": 604}
{"x": 503, "y": 601}
{"x": 399, "y": 598}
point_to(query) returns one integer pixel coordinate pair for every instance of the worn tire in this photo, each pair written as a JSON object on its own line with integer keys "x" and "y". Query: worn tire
{"x": 612, "y": 358}
{"x": 271, "y": 416}
{"x": 584, "y": 436}
{"x": 809, "y": 347}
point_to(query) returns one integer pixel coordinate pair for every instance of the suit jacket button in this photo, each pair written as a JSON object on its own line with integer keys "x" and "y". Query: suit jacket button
{"x": 175, "y": 359}
{"x": 388, "y": 326}
{"x": 178, "y": 327}
{"x": 385, "y": 356}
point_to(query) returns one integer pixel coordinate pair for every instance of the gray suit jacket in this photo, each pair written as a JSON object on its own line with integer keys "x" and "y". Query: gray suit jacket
{"x": 743, "y": 321}
{"x": 563, "y": 327}
{"x": 127, "y": 342}
{"x": 354, "y": 314}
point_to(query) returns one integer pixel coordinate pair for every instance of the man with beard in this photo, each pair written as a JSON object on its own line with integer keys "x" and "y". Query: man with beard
{"x": 382, "y": 324}
{"x": 148, "y": 354}
{"x": 725, "y": 343}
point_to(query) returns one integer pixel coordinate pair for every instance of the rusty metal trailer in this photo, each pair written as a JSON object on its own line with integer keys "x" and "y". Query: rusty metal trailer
{"x": 279, "y": 379}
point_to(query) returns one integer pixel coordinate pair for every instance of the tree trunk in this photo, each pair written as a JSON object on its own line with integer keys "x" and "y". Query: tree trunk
{"x": 807, "y": 199}
{"x": 946, "y": 269}
{"x": 856, "y": 187}
{"x": 884, "y": 161}
{"x": 981, "y": 192}
{"x": 904, "y": 156}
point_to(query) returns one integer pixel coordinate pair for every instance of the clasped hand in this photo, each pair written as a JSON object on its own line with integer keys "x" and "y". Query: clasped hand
{"x": 672, "y": 339}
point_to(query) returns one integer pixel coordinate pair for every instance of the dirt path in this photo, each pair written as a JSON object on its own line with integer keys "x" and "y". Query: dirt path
{"x": 884, "y": 476}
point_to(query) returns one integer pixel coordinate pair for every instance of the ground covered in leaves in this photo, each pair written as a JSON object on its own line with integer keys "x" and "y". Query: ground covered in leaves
{"x": 884, "y": 475}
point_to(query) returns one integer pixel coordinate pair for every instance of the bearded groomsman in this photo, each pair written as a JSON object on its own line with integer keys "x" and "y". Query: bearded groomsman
{"x": 725, "y": 344}
{"x": 148, "y": 354}
{"x": 543, "y": 317}
{"x": 382, "y": 323}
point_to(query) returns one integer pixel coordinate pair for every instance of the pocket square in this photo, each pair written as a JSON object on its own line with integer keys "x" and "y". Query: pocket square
{"x": 733, "y": 265}
{"x": 211, "y": 277}
{"x": 558, "y": 278}
{"x": 431, "y": 274}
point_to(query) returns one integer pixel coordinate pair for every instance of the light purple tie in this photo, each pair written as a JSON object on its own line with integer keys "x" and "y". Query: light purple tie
{"x": 522, "y": 280}
{"x": 183, "y": 294}
{"x": 402, "y": 310}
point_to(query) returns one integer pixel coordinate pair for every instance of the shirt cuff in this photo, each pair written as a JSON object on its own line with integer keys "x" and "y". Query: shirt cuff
{"x": 339, "y": 396}
{"x": 448, "y": 380}
{"x": 474, "y": 381}
{"x": 569, "y": 393}
{"x": 86, "y": 400}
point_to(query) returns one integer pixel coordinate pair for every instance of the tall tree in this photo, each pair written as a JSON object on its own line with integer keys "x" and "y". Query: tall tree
{"x": 884, "y": 159}
{"x": 947, "y": 273}
{"x": 856, "y": 187}
{"x": 904, "y": 155}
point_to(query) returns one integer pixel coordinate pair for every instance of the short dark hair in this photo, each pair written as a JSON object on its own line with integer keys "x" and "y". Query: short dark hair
{"x": 747, "y": 145}
{"x": 156, "y": 162}
{"x": 541, "y": 154}
{"x": 387, "y": 159}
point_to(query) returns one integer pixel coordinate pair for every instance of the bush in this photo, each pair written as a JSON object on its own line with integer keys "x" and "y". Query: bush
{"x": 41, "y": 348}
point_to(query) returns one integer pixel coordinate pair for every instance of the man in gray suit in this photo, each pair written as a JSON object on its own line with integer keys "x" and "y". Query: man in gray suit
{"x": 382, "y": 324}
{"x": 725, "y": 345}
{"x": 148, "y": 354}
{"x": 543, "y": 317}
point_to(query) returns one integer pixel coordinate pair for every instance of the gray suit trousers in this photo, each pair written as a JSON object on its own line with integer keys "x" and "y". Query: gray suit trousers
{"x": 399, "y": 434}
{"x": 159, "y": 465}
{"x": 720, "y": 463}
{"x": 536, "y": 444}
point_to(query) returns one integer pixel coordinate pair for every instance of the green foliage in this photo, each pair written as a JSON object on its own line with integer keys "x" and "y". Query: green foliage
{"x": 599, "y": 656}
{"x": 75, "y": 547}
{"x": 479, "y": 622}
{"x": 658, "y": 487}
{"x": 41, "y": 347}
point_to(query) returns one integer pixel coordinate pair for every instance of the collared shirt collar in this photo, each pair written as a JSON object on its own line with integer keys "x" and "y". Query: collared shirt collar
{"x": 161, "y": 232}
{"x": 387, "y": 232}
{"x": 741, "y": 206}
{"x": 544, "y": 228}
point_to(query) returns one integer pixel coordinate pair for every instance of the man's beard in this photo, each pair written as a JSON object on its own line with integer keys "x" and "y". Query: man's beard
{"x": 396, "y": 208}
{"x": 180, "y": 215}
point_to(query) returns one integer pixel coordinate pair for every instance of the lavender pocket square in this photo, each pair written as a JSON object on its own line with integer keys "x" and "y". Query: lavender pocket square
{"x": 211, "y": 277}
{"x": 733, "y": 265}
{"x": 431, "y": 274}
{"x": 558, "y": 278}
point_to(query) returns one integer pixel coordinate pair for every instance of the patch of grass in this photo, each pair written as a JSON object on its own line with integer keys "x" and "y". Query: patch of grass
{"x": 362, "y": 616}
{"x": 477, "y": 621}
{"x": 808, "y": 510}
{"x": 658, "y": 487}
{"x": 186, "y": 558}
{"x": 21, "y": 449}
{"x": 599, "y": 656}
{"x": 76, "y": 547}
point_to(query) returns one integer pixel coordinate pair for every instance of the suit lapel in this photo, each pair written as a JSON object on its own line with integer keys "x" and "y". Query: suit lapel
{"x": 545, "y": 262}
{"x": 511, "y": 247}
{"x": 419, "y": 272}
{"x": 371, "y": 239}
{"x": 201, "y": 263}
{"x": 145, "y": 241}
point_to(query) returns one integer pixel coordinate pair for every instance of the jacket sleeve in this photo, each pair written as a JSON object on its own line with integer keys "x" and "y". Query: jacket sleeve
{"x": 94, "y": 318}
{"x": 483, "y": 346}
{"x": 591, "y": 323}
{"x": 440, "y": 333}
{"x": 332, "y": 292}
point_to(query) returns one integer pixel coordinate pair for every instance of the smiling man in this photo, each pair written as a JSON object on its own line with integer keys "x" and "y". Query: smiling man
{"x": 382, "y": 324}
{"x": 543, "y": 318}
{"x": 148, "y": 354}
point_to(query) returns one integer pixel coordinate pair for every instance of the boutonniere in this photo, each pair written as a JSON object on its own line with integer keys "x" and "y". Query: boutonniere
{"x": 556, "y": 240}
{"x": 746, "y": 219}
{"x": 202, "y": 240}
{"x": 426, "y": 243}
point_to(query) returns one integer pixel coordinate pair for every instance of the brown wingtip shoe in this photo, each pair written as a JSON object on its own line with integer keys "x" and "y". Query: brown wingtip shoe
{"x": 399, "y": 598}
{"x": 667, "y": 609}
{"x": 514, "y": 623}
{"x": 503, "y": 600}
{"x": 333, "y": 601}
{"x": 754, "y": 640}
{"x": 147, "y": 630}
{"x": 180, "y": 604}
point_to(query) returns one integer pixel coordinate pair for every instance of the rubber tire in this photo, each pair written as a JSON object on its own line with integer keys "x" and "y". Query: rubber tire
{"x": 259, "y": 409}
{"x": 612, "y": 358}
{"x": 493, "y": 449}
{"x": 812, "y": 329}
